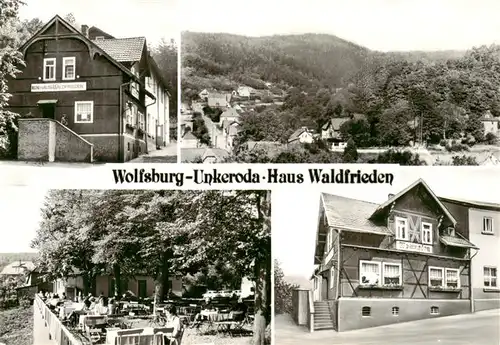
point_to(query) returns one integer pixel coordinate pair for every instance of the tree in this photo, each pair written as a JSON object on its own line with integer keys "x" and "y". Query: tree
{"x": 474, "y": 128}
{"x": 10, "y": 60}
{"x": 282, "y": 291}
{"x": 350, "y": 152}
{"x": 166, "y": 56}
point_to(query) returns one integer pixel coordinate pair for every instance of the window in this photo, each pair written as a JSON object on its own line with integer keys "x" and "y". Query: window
{"x": 366, "y": 311}
{"x": 426, "y": 233}
{"x": 488, "y": 225}
{"x": 84, "y": 112}
{"x": 49, "y": 69}
{"x": 452, "y": 278}
{"x": 69, "y": 68}
{"x": 434, "y": 310}
{"x": 392, "y": 274}
{"x": 141, "y": 120}
{"x": 99, "y": 37}
{"x": 332, "y": 275}
{"x": 402, "y": 229}
{"x": 490, "y": 277}
{"x": 369, "y": 273}
{"x": 436, "y": 276}
{"x": 395, "y": 311}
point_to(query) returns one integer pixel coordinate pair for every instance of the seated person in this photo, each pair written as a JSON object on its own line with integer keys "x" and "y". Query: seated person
{"x": 74, "y": 316}
{"x": 101, "y": 308}
{"x": 174, "y": 321}
{"x": 239, "y": 310}
{"x": 111, "y": 306}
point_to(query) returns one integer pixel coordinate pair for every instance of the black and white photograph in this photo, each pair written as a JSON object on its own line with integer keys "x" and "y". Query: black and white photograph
{"x": 412, "y": 263}
{"x": 149, "y": 267}
{"x": 361, "y": 81}
{"x": 88, "y": 81}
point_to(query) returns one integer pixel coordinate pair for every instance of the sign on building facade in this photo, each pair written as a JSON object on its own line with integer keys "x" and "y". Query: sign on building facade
{"x": 57, "y": 87}
{"x": 413, "y": 247}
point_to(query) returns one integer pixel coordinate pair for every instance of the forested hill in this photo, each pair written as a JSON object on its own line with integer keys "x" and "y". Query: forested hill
{"x": 304, "y": 61}
{"x": 296, "y": 60}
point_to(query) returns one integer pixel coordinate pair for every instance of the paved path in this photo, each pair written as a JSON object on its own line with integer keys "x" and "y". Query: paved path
{"x": 482, "y": 328}
{"x": 166, "y": 154}
{"x": 40, "y": 332}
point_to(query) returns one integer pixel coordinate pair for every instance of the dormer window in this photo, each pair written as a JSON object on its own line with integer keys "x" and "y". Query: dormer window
{"x": 99, "y": 37}
{"x": 49, "y": 69}
{"x": 449, "y": 231}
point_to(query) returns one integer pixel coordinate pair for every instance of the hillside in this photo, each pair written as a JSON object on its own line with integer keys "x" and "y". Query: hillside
{"x": 295, "y": 60}
{"x": 223, "y": 61}
{"x": 7, "y": 258}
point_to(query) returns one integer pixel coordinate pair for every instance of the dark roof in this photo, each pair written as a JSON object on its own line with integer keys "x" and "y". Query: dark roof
{"x": 87, "y": 41}
{"x": 231, "y": 112}
{"x": 295, "y": 135}
{"x": 351, "y": 214}
{"x": 336, "y": 122}
{"x": 219, "y": 154}
{"x": 189, "y": 135}
{"x": 472, "y": 203}
{"x": 456, "y": 242}
{"x": 123, "y": 49}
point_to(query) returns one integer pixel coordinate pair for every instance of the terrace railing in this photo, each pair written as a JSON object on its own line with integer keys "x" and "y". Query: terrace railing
{"x": 57, "y": 331}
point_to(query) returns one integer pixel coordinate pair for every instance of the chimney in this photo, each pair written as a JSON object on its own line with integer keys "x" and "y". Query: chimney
{"x": 390, "y": 196}
{"x": 85, "y": 30}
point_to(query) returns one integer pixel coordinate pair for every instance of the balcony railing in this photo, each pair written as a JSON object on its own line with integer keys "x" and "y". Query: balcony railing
{"x": 57, "y": 331}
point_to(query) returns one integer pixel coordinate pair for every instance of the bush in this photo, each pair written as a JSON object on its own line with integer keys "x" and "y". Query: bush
{"x": 350, "y": 152}
{"x": 464, "y": 160}
{"x": 443, "y": 142}
{"x": 456, "y": 147}
{"x": 490, "y": 138}
{"x": 282, "y": 292}
{"x": 398, "y": 157}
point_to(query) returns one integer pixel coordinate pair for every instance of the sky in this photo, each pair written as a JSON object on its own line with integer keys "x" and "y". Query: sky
{"x": 153, "y": 19}
{"x": 20, "y": 214}
{"x": 384, "y": 25}
{"x": 295, "y": 210}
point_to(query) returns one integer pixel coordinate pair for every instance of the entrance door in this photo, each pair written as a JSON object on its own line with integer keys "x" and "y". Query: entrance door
{"x": 48, "y": 111}
{"x": 142, "y": 288}
{"x": 324, "y": 289}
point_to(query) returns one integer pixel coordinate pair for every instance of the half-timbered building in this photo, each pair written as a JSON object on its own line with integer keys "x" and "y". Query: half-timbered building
{"x": 85, "y": 95}
{"x": 398, "y": 261}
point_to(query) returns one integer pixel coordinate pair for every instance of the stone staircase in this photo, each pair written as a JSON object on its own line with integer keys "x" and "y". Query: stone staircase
{"x": 322, "y": 317}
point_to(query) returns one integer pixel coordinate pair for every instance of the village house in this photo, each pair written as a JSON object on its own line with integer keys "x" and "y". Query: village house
{"x": 17, "y": 268}
{"x": 245, "y": 91}
{"x": 189, "y": 140}
{"x": 140, "y": 285}
{"x": 219, "y": 100}
{"x": 203, "y": 155}
{"x": 479, "y": 222}
{"x": 490, "y": 123}
{"x": 330, "y": 131}
{"x": 85, "y": 95}
{"x": 301, "y": 136}
{"x": 378, "y": 264}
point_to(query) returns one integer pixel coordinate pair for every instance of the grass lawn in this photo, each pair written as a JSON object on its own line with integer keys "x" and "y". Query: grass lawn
{"x": 16, "y": 326}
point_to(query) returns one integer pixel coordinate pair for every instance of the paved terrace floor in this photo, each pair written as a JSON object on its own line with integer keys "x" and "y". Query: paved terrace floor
{"x": 481, "y": 328}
